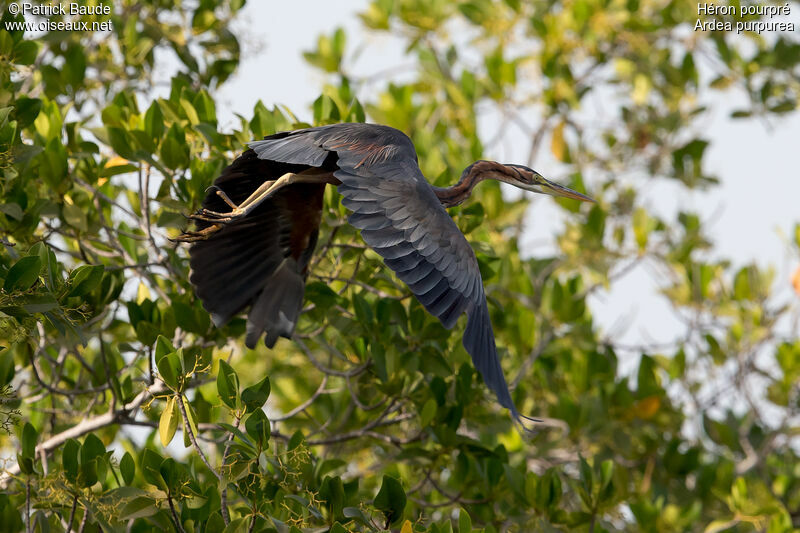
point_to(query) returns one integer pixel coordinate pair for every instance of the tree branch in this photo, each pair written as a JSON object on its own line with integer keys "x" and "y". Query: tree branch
{"x": 87, "y": 426}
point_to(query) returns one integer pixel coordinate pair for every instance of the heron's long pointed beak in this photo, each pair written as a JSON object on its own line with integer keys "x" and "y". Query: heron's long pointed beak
{"x": 554, "y": 189}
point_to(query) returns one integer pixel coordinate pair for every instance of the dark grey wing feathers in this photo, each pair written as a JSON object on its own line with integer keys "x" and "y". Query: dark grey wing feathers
{"x": 402, "y": 220}
{"x": 428, "y": 252}
{"x": 290, "y": 147}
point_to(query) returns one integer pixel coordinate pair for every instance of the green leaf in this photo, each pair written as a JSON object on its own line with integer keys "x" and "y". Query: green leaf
{"x": 391, "y": 499}
{"x": 238, "y": 525}
{"x": 174, "y": 150}
{"x": 296, "y": 440}
{"x": 127, "y": 468}
{"x": 258, "y": 427}
{"x": 154, "y": 121}
{"x": 238, "y": 433}
{"x": 325, "y": 110}
{"x": 170, "y": 473}
{"x": 39, "y": 303}
{"x": 12, "y": 210}
{"x": 363, "y": 309}
{"x": 146, "y": 332}
{"x": 92, "y": 448}
{"x": 7, "y": 369}
{"x": 151, "y": 468}
{"x": 23, "y": 274}
{"x": 25, "y": 52}
{"x": 163, "y": 347}
{"x": 88, "y": 473}
{"x": 337, "y": 528}
{"x": 428, "y": 412}
{"x": 69, "y": 459}
{"x": 75, "y": 217}
{"x": 228, "y": 384}
{"x": 168, "y": 424}
{"x": 168, "y": 363}
{"x": 191, "y": 114}
{"x": 606, "y": 471}
{"x": 121, "y": 141}
{"x": 464, "y": 521}
{"x": 192, "y": 419}
{"x": 255, "y": 396}
{"x": 548, "y": 490}
{"x": 356, "y": 113}
{"x": 332, "y": 492}
{"x": 29, "y": 437}
{"x": 140, "y": 507}
{"x": 185, "y": 317}
{"x": 205, "y": 106}
{"x": 84, "y": 279}
{"x": 27, "y": 110}
{"x": 25, "y": 464}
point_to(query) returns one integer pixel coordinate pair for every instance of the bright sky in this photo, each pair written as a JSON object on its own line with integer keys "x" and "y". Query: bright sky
{"x": 750, "y": 216}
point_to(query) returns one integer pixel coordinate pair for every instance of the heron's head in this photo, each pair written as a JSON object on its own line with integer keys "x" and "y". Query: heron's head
{"x": 517, "y": 175}
{"x": 529, "y": 180}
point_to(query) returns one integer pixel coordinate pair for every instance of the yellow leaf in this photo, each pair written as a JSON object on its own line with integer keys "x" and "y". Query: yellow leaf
{"x": 647, "y": 407}
{"x": 406, "y": 527}
{"x": 641, "y": 88}
{"x": 720, "y": 525}
{"x": 192, "y": 422}
{"x": 142, "y": 293}
{"x": 796, "y": 281}
{"x": 116, "y": 161}
{"x": 557, "y": 145}
{"x": 624, "y": 67}
{"x": 169, "y": 422}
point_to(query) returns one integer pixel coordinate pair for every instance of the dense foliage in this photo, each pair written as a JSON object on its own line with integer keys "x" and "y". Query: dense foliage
{"x": 373, "y": 417}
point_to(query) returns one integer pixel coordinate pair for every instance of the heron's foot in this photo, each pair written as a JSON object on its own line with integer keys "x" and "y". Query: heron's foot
{"x": 207, "y": 215}
{"x": 202, "y": 235}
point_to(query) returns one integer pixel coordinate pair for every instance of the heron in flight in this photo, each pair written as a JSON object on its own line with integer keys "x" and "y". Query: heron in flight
{"x": 258, "y": 226}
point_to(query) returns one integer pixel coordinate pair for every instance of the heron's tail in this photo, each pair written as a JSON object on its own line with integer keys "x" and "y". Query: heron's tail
{"x": 278, "y": 305}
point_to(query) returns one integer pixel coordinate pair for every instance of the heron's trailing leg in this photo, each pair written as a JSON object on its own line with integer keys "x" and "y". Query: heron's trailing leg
{"x": 225, "y": 197}
{"x": 218, "y": 220}
{"x": 264, "y": 191}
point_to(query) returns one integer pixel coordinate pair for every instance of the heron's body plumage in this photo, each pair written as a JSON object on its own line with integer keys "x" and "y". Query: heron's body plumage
{"x": 260, "y": 257}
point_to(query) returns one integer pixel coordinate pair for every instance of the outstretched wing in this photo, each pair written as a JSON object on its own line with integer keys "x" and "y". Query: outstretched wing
{"x": 402, "y": 219}
{"x": 261, "y": 260}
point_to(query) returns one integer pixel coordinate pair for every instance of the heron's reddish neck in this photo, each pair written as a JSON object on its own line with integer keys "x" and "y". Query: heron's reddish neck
{"x": 472, "y": 175}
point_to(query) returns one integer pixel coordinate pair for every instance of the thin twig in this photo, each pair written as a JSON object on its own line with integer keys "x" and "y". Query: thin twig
{"x": 532, "y": 357}
{"x": 253, "y": 522}
{"x": 303, "y": 406}
{"x": 84, "y": 520}
{"x": 175, "y": 519}
{"x": 193, "y": 439}
{"x": 224, "y": 493}
{"x": 28, "y": 527}
{"x": 107, "y": 371}
{"x": 72, "y": 513}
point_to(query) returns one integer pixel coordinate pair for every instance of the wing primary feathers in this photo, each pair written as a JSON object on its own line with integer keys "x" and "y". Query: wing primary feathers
{"x": 392, "y": 204}
{"x": 421, "y": 243}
